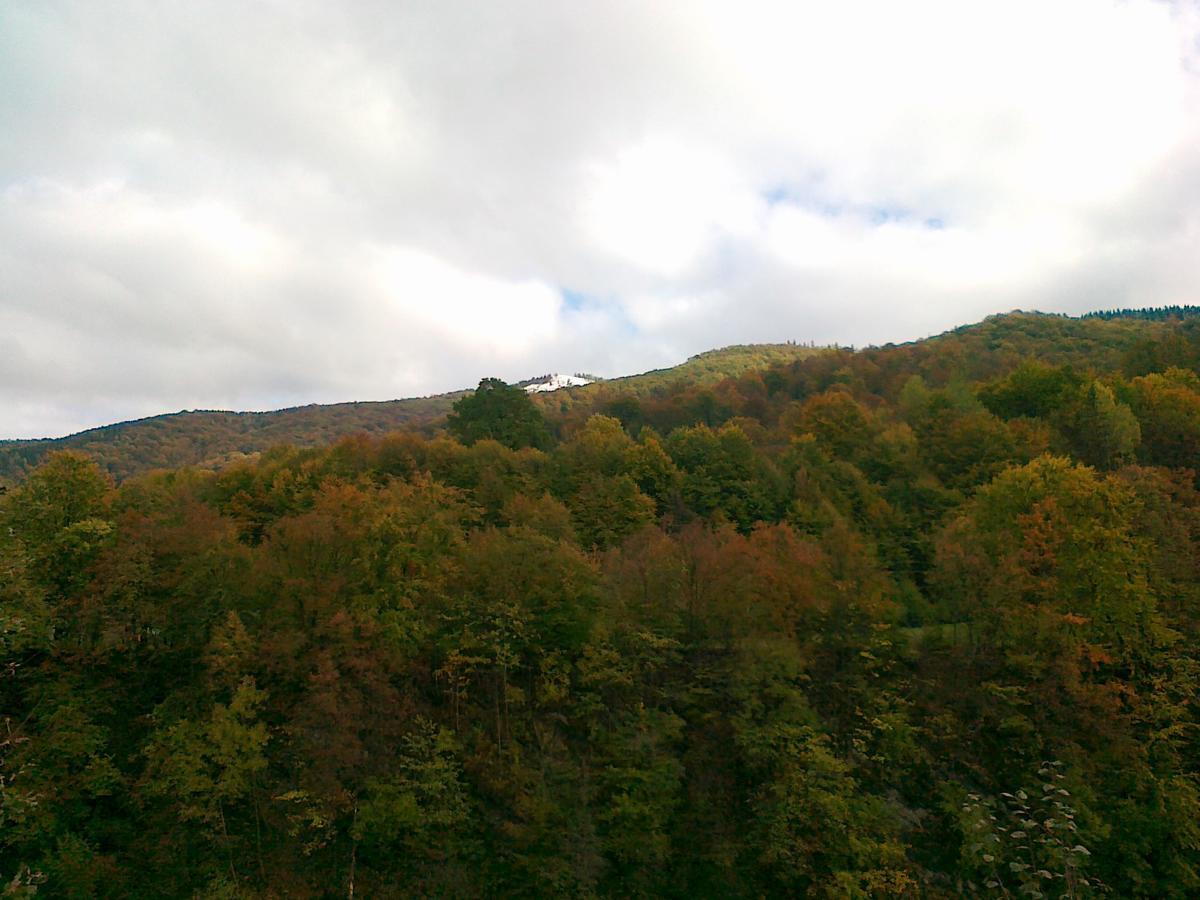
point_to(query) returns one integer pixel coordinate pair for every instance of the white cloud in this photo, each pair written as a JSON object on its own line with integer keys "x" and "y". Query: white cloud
{"x": 250, "y": 205}
{"x": 506, "y": 319}
{"x": 659, "y": 205}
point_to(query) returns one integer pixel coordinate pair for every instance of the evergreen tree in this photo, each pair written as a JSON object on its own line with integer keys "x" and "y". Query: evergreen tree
{"x": 496, "y": 411}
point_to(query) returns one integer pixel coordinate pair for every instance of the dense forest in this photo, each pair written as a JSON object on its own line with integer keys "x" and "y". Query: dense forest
{"x": 911, "y": 621}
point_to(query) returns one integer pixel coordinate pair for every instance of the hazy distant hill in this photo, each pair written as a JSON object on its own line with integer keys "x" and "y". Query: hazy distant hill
{"x": 212, "y": 438}
{"x": 1120, "y": 339}
{"x": 709, "y": 367}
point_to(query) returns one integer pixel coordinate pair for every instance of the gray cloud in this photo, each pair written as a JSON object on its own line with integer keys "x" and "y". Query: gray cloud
{"x": 250, "y": 205}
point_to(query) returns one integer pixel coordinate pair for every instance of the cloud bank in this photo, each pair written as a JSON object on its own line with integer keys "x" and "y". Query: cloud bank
{"x": 257, "y": 204}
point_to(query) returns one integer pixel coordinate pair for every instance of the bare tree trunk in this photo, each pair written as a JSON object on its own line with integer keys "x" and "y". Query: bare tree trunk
{"x": 225, "y": 838}
{"x": 262, "y": 869}
{"x": 504, "y": 688}
{"x": 499, "y": 739}
{"x": 353, "y": 852}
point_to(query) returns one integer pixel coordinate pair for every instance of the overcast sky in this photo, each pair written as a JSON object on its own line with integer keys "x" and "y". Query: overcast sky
{"x": 266, "y": 203}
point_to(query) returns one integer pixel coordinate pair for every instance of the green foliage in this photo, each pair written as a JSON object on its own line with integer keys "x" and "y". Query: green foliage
{"x": 24, "y": 615}
{"x": 211, "y": 439}
{"x": 1152, "y": 312}
{"x": 500, "y": 413}
{"x": 1028, "y": 846}
{"x": 705, "y": 368}
{"x": 1168, "y": 407}
{"x": 720, "y": 473}
{"x": 599, "y": 472}
{"x": 1032, "y": 390}
{"x": 421, "y": 812}
{"x": 1102, "y": 431}
{"x": 815, "y": 832}
{"x": 1052, "y": 537}
{"x": 203, "y": 766}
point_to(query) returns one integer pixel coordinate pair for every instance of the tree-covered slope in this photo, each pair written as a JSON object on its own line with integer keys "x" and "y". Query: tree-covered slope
{"x": 213, "y": 438}
{"x": 918, "y": 621}
{"x": 709, "y": 367}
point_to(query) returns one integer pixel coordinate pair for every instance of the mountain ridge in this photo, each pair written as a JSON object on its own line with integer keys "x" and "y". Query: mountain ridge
{"x": 213, "y": 438}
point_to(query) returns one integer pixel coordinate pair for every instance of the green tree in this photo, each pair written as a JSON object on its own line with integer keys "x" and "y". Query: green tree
{"x": 814, "y": 830}
{"x": 1018, "y": 844}
{"x": 499, "y": 412}
{"x": 722, "y": 475}
{"x": 1033, "y": 390}
{"x": 61, "y": 516}
{"x": 1102, "y": 431}
{"x": 419, "y": 815}
{"x": 1168, "y": 407}
{"x": 206, "y": 767}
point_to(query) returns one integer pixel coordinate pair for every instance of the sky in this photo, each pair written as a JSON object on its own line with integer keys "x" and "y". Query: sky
{"x": 268, "y": 203}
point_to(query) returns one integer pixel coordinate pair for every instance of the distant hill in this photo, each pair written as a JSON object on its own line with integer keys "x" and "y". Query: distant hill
{"x": 211, "y": 439}
{"x": 709, "y": 367}
{"x": 1135, "y": 341}
{"x": 710, "y": 388}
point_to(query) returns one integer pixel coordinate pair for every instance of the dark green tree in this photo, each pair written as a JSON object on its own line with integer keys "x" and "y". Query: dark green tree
{"x": 1102, "y": 431}
{"x": 499, "y": 412}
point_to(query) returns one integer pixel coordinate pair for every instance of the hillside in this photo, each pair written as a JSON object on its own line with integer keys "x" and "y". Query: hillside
{"x": 212, "y": 438}
{"x": 209, "y": 439}
{"x": 710, "y": 367}
{"x": 914, "y": 621}
{"x": 1132, "y": 344}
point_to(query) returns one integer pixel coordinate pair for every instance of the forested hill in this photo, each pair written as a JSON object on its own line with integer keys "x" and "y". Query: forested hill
{"x": 706, "y": 368}
{"x": 211, "y": 439}
{"x": 918, "y": 621}
{"x": 1107, "y": 343}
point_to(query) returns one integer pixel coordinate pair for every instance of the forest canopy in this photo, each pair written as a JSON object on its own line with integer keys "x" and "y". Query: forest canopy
{"x": 911, "y": 621}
